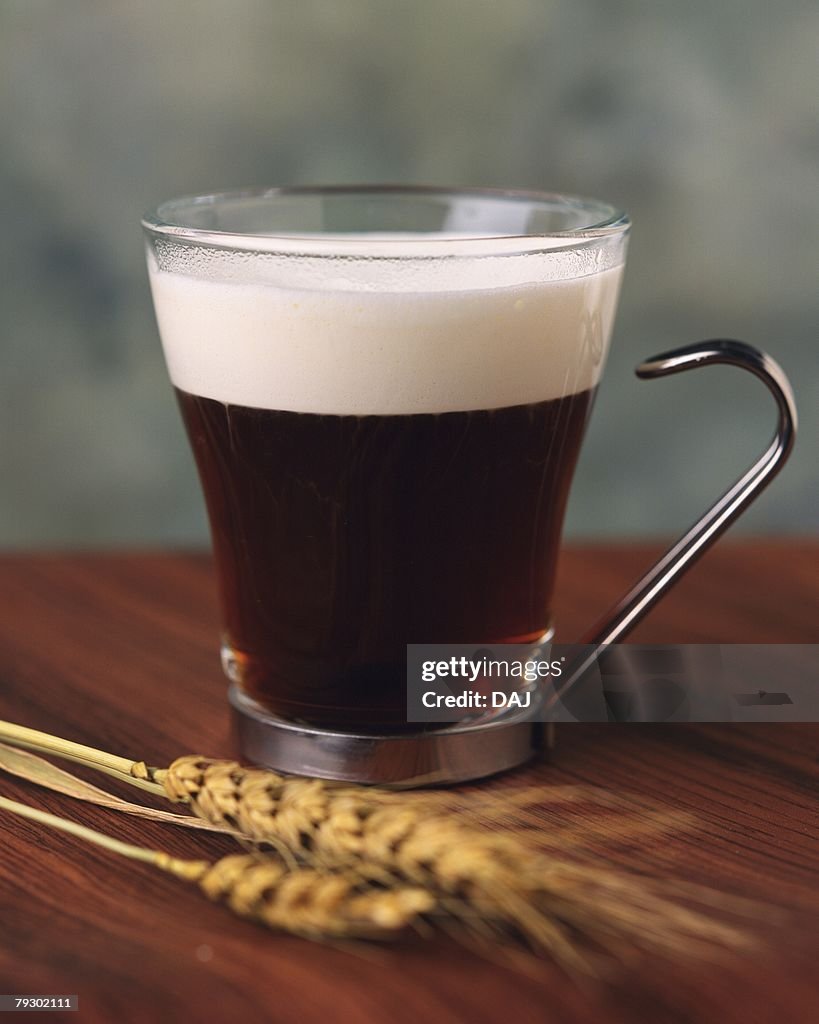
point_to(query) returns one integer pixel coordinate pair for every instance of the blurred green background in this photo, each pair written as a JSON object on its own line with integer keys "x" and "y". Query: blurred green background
{"x": 699, "y": 118}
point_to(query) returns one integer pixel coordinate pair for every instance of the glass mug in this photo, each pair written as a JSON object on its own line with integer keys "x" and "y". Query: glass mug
{"x": 385, "y": 390}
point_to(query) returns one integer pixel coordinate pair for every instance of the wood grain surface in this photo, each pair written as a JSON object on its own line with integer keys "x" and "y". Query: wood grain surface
{"x": 119, "y": 651}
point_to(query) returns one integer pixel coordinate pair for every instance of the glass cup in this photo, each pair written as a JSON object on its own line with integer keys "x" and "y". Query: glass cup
{"x": 386, "y": 391}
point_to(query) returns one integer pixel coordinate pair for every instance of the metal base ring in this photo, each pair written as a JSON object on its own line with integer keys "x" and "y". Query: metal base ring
{"x": 453, "y": 753}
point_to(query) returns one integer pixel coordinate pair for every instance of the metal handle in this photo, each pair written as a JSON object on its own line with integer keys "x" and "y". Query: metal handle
{"x": 644, "y": 595}
{"x": 625, "y": 615}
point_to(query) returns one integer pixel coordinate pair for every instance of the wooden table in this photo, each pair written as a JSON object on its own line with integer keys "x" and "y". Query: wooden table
{"x": 118, "y": 650}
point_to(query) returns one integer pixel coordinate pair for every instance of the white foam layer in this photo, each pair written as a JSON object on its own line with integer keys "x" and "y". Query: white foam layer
{"x": 360, "y": 352}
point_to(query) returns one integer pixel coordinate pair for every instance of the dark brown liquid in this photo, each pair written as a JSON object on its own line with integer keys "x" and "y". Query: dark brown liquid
{"x": 340, "y": 539}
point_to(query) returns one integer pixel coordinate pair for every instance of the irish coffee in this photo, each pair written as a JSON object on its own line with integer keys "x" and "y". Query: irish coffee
{"x": 340, "y": 539}
{"x": 385, "y": 455}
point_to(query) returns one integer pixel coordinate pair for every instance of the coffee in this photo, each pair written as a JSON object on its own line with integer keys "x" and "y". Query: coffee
{"x": 380, "y": 467}
{"x": 340, "y": 539}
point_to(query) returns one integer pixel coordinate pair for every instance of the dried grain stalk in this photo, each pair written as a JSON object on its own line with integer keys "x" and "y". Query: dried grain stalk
{"x": 561, "y": 819}
{"x": 544, "y": 900}
{"x": 28, "y": 766}
{"x": 312, "y": 904}
{"x": 491, "y": 881}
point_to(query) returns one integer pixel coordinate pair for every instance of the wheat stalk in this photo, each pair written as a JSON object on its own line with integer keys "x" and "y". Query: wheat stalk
{"x": 304, "y": 902}
{"x": 493, "y": 883}
{"x": 545, "y": 900}
{"x": 32, "y": 768}
{"x": 556, "y": 818}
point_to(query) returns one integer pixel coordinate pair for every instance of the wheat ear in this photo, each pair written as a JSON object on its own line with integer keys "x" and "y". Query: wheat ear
{"x": 492, "y": 882}
{"x": 303, "y": 902}
{"x": 475, "y": 874}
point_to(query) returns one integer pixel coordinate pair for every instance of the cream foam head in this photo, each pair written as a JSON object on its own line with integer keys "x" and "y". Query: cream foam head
{"x": 384, "y": 321}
